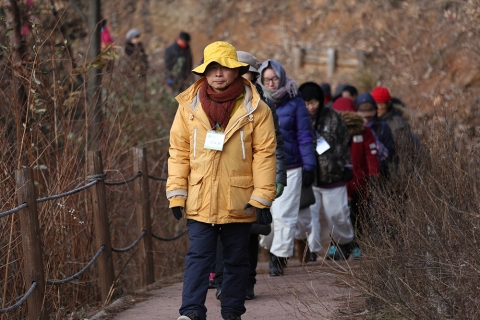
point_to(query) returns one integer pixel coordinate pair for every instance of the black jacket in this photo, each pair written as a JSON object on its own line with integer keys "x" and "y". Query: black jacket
{"x": 329, "y": 124}
{"x": 178, "y": 62}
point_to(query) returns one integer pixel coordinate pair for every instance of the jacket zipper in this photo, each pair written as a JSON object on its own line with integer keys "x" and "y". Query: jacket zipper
{"x": 195, "y": 142}
{"x": 242, "y": 139}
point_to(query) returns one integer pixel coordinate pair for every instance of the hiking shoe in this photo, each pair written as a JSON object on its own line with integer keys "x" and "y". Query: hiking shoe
{"x": 356, "y": 254}
{"x": 189, "y": 316}
{"x": 333, "y": 253}
{"x": 211, "y": 281}
{"x": 250, "y": 295}
{"x": 233, "y": 317}
{"x": 313, "y": 256}
{"x": 342, "y": 253}
{"x": 218, "y": 294}
{"x": 276, "y": 268}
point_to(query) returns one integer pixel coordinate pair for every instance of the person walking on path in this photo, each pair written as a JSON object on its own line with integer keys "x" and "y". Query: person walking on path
{"x": 367, "y": 108}
{"x": 281, "y": 180}
{"x": 178, "y": 63}
{"x": 137, "y": 58}
{"x": 221, "y": 176}
{"x": 300, "y": 158}
{"x": 332, "y": 173}
{"x": 395, "y": 116}
{"x": 366, "y": 166}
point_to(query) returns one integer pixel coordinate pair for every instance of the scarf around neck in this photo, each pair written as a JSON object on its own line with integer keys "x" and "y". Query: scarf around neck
{"x": 277, "y": 95}
{"x": 219, "y": 105}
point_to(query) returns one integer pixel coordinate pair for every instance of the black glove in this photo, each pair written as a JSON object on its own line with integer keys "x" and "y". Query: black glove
{"x": 264, "y": 216}
{"x": 177, "y": 212}
{"x": 308, "y": 178}
{"x": 347, "y": 174}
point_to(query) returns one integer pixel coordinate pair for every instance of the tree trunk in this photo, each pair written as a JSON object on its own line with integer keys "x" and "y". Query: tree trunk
{"x": 17, "y": 55}
{"x": 94, "y": 112}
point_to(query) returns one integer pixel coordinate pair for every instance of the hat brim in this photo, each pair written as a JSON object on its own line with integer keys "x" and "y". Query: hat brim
{"x": 226, "y": 62}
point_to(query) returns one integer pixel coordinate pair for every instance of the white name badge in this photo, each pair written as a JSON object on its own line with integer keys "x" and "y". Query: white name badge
{"x": 322, "y": 145}
{"x": 358, "y": 138}
{"x": 214, "y": 140}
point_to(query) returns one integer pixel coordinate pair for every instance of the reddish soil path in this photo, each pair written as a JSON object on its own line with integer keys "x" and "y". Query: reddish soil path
{"x": 313, "y": 291}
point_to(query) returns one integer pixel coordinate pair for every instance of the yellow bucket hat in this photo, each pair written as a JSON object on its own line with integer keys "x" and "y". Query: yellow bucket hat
{"x": 224, "y": 54}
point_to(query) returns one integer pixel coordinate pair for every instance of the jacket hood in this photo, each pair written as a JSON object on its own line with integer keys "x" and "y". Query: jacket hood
{"x": 354, "y": 122}
{"x": 405, "y": 113}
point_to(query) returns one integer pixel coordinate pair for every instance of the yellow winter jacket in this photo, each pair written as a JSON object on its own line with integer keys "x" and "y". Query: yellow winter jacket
{"x": 214, "y": 186}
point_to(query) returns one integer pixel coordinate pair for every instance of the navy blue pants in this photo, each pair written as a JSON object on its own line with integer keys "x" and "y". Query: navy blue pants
{"x": 203, "y": 239}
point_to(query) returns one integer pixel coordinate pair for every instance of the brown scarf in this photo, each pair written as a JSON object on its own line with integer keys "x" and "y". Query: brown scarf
{"x": 219, "y": 106}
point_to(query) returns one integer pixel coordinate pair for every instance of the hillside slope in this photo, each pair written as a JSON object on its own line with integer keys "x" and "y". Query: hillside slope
{"x": 421, "y": 49}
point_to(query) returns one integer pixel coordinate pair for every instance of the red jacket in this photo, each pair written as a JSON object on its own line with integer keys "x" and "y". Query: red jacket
{"x": 363, "y": 147}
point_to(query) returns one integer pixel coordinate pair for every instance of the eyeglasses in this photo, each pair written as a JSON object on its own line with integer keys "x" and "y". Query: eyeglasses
{"x": 273, "y": 80}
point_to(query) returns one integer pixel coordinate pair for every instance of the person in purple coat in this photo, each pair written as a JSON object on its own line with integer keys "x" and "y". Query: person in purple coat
{"x": 296, "y": 129}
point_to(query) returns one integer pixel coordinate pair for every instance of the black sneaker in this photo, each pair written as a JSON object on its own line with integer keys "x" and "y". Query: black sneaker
{"x": 276, "y": 268}
{"x": 189, "y": 316}
{"x": 218, "y": 294}
{"x": 250, "y": 293}
{"x": 233, "y": 317}
{"x": 313, "y": 256}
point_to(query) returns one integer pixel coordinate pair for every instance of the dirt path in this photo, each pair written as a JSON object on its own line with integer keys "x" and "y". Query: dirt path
{"x": 310, "y": 292}
{"x": 314, "y": 291}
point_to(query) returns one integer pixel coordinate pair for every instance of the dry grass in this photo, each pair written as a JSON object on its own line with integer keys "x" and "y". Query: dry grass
{"x": 53, "y": 143}
{"x": 420, "y": 251}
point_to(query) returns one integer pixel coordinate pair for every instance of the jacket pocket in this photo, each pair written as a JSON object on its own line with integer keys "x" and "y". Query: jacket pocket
{"x": 194, "y": 196}
{"x": 239, "y": 193}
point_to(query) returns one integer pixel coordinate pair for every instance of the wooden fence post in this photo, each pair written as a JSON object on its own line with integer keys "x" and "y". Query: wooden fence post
{"x": 31, "y": 243}
{"x": 144, "y": 221}
{"x": 332, "y": 61}
{"x": 102, "y": 226}
{"x": 297, "y": 58}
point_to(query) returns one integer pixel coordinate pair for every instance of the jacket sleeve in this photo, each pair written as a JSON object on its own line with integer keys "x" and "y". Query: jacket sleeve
{"x": 264, "y": 160}
{"x": 178, "y": 162}
{"x": 169, "y": 60}
{"x": 280, "y": 151}
{"x": 371, "y": 153}
{"x": 304, "y": 136}
{"x": 385, "y": 136}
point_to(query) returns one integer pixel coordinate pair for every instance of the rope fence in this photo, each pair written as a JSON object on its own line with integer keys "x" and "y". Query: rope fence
{"x": 170, "y": 239}
{"x": 68, "y": 193}
{"x": 132, "y": 245}
{"x": 16, "y": 209}
{"x": 117, "y": 183}
{"x": 21, "y": 301}
{"x": 79, "y": 273}
{"x": 29, "y": 227}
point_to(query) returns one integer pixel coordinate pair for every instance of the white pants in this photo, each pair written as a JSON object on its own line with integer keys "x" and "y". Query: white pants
{"x": 285, "y": 214}
{"x": 334, "y": 204}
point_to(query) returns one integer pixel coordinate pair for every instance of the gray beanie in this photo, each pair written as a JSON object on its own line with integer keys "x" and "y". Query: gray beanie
{"x": 246, "y": 57}
{"x": 131, "y": 34}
